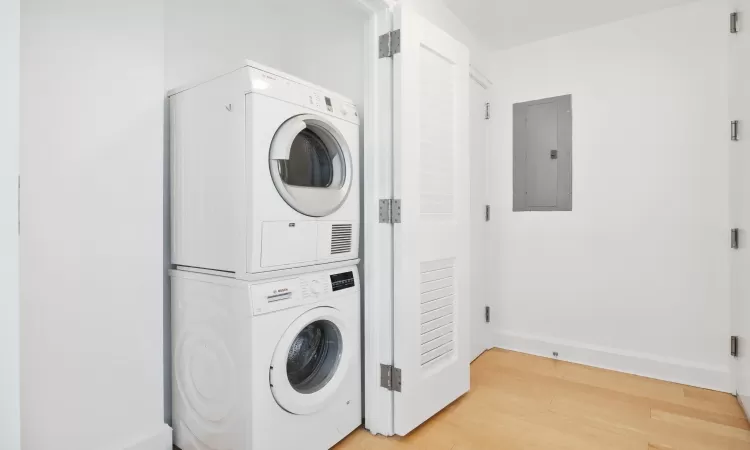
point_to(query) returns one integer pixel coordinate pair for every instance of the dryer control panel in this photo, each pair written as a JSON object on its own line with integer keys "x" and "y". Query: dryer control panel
{"x": 305, "y": 289}
{"x": 317, "y": 99}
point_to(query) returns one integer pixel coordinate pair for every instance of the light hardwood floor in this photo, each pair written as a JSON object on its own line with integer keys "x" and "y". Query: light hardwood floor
{"x": 520, "y": 401}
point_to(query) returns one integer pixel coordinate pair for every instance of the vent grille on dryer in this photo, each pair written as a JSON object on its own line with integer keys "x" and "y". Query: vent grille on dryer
{"x": 341, "y": 238}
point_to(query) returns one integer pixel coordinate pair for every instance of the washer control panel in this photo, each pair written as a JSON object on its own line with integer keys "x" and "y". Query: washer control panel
{"x": 343, "y": 280}
{"x": 315, "y": 286}
{"x": 312, "y": 288}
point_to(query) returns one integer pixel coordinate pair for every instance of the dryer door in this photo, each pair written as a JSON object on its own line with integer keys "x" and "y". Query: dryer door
{"x": 310, "y": 164}
{"x": 310, "y": 361}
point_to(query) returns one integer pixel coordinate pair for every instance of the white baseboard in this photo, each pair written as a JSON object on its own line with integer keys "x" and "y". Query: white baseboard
{"x": 160, "y": 439}
{"x": 652, "y": 366}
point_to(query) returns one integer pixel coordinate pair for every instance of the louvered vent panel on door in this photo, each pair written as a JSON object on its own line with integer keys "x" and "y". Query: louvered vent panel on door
{"x": 341, "y": 238}
{"x": 437, "y": 311}
{"x": 437, "y": 164}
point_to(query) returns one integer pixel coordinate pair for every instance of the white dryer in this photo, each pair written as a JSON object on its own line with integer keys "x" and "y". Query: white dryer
{"x": 264, "y": 174}
{"x": 265, "y": 365}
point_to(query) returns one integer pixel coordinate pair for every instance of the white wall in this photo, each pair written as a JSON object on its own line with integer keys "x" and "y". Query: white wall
{"x": 10, "y": 428}
{"x": 319, "y": 41}
{"x": 91, "y": 261}
{"x": 636, "y": 278}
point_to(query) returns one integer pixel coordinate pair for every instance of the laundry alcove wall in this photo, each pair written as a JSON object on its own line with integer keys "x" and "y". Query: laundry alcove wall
{"x": 321, "y": 42}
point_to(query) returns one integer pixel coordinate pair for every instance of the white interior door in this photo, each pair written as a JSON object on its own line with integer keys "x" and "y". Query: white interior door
{"x": 739, "y": 202}
{"x": 432, "y": 243}
{"x": 478, "y": 117}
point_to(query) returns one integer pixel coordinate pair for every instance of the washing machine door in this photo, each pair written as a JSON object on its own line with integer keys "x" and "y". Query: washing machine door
{"x": 310, "y": 361}
{"x": 311, "y": 165}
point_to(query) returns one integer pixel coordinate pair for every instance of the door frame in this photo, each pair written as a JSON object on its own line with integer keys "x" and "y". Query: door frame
{"x": 739, "y": 308}
{"x": 480, "y": 78}
{"x": 377, "y": 259}
{"x": 482, "y": 335}
{"x": 10, "y": 401}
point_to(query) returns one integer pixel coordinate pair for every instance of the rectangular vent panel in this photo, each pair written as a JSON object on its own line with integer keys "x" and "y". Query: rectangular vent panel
{"x": 436, "y": 132}
{"x": 341, "y": 238}
{"x": 437, "y": 311}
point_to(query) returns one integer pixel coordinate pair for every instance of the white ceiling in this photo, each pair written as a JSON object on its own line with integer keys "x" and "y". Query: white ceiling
{"x": 507, "y": 23}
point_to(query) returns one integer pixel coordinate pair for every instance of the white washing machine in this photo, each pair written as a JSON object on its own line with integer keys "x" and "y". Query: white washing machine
{"x": 264, "y": 174}
{"x": 265, "y": 365}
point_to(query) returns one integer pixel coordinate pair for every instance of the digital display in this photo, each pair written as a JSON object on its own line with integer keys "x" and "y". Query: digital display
{"x": 341, "y": 281}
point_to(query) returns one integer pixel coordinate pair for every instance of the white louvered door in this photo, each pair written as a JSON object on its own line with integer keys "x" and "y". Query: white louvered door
{"x": 431, "y": 244}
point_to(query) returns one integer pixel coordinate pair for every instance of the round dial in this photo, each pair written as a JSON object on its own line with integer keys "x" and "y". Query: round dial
{"x": 316, "y": 287}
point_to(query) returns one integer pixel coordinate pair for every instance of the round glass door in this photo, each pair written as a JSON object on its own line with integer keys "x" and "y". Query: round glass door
{"x": 314, "y": 356}
{"x": 310, "y": 165}
{"x": 310, "y": 361}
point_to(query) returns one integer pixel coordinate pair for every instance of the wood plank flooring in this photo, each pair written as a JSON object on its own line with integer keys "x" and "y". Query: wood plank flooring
{"x": 519, "y": 401}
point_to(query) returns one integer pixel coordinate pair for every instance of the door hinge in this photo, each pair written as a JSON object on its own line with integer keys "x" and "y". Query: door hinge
{"x": 734, "y": 20}
{"x": 735, "y": 239}
{"x": 487, "y": 314}
{"x": 390, "y": 378}
{"x": 734, "y": 346}
{"x": 389, "y": 44}
{"x": 486, "y": 213}
{"x": 735, "y": 130}
{"x": 487, "y": 111}
{"x": 389, "y": 210}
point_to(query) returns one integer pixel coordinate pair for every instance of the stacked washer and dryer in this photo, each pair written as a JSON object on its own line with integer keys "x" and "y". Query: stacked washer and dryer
{"x": 265, "y": 239}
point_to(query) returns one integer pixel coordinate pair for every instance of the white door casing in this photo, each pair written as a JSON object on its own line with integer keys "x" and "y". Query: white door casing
{"x": 431, "y": 309}
{"x": 10, "y": 369}
{"x": 478, "y": 138}
{"x": 378, "y": 258}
